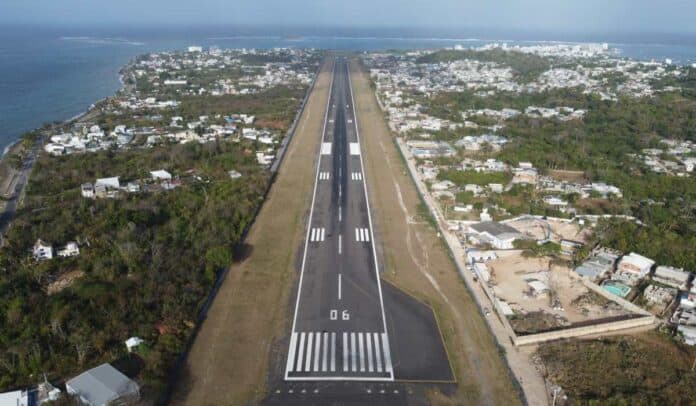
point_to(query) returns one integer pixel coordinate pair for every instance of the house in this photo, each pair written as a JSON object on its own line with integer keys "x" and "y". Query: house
{"x": 161, "y": 175}
{"x": 500, "y": 236}
{"x": 70, "y": 250}
{"x": 234, "y": 174}
{"x": 474, "y": 255}
{"x": 495, "y": 187}
{"x": 599, "y": 266}
{"x": 674, "y": 277}
{"x": 103, "y": 385}
{"x": 42, "y": 251}
{"x": 108, "y": 183}
{"x": 570, "y": 247}
{"x": 133, "y": 342}
{"x": 658, "y": 295}
{"x": 555, "y": 201}
{"x": 688, "y": 333}
{"x": 443, "y": 185}
{"x": 87, "y": 190}
{"x": 633, "y": 267}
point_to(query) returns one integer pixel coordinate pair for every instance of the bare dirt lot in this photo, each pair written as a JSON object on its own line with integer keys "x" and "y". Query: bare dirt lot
{"x": 228, "y": 363}
{"x": 537, "y": 229}
{"x": 566, "y": 297}
{"x": 416, "y": 260}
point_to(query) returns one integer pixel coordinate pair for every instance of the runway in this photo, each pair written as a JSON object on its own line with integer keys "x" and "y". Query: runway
{"x": 339, "y": 328}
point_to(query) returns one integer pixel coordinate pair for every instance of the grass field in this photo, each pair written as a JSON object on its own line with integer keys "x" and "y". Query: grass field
{"x": 229, "y": 361}
{"x": 647, "y": 368}
{"x": 416, "y": 260}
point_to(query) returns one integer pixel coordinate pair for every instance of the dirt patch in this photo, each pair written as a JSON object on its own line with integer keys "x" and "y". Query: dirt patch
{"x": 416, "y": 260}
{"x": 228, "y": 363}
{"x": 568, "y": 176}
{"x": 533, "y": 286}
{"x": 63, "y": 281}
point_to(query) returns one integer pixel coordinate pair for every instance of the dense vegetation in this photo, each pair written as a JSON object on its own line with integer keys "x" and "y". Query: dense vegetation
{"x": 527, "y": 67}
{"x": 147, "y": 260}
{"x": 647, "y": 369}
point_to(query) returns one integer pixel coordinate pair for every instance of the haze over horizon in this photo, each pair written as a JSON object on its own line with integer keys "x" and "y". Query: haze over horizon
{"x": 577, "y": 17}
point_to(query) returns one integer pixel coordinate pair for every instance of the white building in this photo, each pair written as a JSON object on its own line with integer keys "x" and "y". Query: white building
{"x": 500, "y": 236}
{"x": 42, "y": 251}
{"x": 632, "y": 268}
{"x": 70, "y": 250}
{"x": 670, "y": 276}
{"x": 102, "y": 386}
{"x": 161, "y": 175}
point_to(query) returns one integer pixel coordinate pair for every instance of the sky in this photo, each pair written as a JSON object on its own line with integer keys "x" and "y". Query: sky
{"x": 575, "y": 16}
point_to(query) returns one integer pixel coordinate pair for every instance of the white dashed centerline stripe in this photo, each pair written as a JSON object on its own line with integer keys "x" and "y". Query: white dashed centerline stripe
{"x": 339, "y": 286}
{"x": 339, "y": 244}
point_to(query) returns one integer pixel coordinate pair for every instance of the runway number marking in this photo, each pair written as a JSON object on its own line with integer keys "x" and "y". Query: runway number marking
{"x": 333, "y": 315}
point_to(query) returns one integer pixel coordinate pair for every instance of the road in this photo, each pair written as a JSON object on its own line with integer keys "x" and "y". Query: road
{"x": 10, "y": 209}
{"x": 339, "y": 328}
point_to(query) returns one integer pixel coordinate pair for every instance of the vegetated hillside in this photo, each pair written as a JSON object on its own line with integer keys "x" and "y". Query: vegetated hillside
{"x": 647, "y": 368}
{"x": 147, "y": 260}
{"x": 527, "y": 67}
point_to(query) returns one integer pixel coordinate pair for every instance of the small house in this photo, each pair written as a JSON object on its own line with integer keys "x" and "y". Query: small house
{"x": 42, "y": 251}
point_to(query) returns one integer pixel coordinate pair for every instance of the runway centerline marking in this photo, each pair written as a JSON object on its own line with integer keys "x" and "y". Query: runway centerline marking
{"x": 339, "y": 286}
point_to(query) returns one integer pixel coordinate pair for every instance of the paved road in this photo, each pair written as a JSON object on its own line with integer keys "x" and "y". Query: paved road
{"x": 339, "y": 329}
{"x": 10, "y": 209}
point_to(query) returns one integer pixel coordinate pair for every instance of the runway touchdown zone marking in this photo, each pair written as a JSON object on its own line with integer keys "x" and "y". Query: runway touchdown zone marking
{"x": 317, "y": 235}
{"x": 324, "y": 175}
{"x": 362, "y": 235}
{"x": 356, "y": 176}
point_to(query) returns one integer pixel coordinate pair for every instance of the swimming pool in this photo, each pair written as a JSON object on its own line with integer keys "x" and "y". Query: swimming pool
{"x": 616, "y": 288}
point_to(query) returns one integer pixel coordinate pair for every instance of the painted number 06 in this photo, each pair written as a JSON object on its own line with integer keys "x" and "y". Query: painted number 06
{"x": 333, "y": 315}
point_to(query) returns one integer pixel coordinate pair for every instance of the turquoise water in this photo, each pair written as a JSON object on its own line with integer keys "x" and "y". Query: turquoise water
{"x": 616, "y": 288}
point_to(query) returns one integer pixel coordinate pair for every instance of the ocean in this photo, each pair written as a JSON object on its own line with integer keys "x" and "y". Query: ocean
{"x": 54, "y": 74}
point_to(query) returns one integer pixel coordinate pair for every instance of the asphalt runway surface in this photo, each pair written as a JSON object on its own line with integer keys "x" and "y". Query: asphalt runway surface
{"x": 349, "y": 327}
